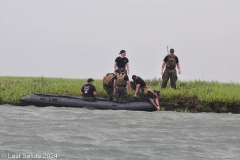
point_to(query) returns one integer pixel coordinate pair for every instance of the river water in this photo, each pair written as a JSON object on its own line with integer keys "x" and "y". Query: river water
{"x": 78, "y": 133}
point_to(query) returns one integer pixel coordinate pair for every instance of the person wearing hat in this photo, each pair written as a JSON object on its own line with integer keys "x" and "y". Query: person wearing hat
{"x": 88, "y": 91}
{"x": 121, "y": 80}
{"x": 152, "y": 96}
{"x": 122, "y": 62}
{"x": 170, "y": 61}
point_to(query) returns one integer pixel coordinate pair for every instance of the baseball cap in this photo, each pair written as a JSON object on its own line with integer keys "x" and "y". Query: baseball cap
{"x": 171, "y": 50}
{"x": 90, "y": 80}
{"x": 122, "y": 51}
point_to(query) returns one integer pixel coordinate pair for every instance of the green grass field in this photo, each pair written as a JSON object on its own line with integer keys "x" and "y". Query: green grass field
{"x": 190, "y": 96}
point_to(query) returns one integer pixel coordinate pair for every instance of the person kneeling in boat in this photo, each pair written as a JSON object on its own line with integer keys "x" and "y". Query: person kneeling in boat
{"x": 88, "y": 91}
{"x": 121, "y": 80}
{"x": 139, "y": 87}
{"x": 152, "y": 96}
{"x": 108, "y": 85}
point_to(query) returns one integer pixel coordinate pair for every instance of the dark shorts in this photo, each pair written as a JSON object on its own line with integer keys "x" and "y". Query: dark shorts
{"x": 150, "y": 95}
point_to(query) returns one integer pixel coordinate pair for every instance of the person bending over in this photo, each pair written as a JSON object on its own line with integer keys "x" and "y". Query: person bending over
{"x": 152, "y": 96}
{"x": 140, "y": 85}
{"x": 108, "y": 85}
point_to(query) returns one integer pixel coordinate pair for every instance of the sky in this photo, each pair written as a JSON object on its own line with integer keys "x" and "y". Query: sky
{"x": 82, "y": 38}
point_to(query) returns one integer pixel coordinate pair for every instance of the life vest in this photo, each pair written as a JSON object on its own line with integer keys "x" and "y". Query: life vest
{"x": 171, "y": 63}
{"x": 146, "y": 90}
{"x": 120, "y": 80}
{"x": 108, "y": 80}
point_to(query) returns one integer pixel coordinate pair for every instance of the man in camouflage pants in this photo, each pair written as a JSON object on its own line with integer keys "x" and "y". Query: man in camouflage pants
{"x": 108, "y": 85}
{"x": 170, "y": 61}
{"x": 120, "y": 92}
{"x": 121, "y": 80}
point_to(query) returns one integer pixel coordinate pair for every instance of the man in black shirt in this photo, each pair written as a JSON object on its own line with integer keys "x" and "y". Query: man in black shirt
{"x": 121, "y": 80}
{"x": 171, "y": 61}
{"x": 140, "y": 85}
{"x": 122, "y": 62}
{"x": 144, "y": 92}
{"x": 88, "y": 91}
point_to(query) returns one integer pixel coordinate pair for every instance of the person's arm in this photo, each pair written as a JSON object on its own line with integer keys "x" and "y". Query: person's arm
{"x": 94, "y": 91}
{"x": 81, "y": 92}
{"x": 128, "y": 82}
{"x": 178, "y": 65}
{"x": 129, "y": 86}
{"x": 137, "y": 88}
{"x": 164, "y": 63}
{"x": 115, "y": 66}
{"x": 156, "y": 101}
{"x": 103, "y": 80}
{"x": 179, "y": 70}
{"x": 154, "y": 104}
{"x": 114, "y": 85}
{"x": 128, "y": 68}
{"x": 163, "y": 66}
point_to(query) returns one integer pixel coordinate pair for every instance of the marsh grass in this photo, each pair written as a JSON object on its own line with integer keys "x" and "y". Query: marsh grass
{"x": 190, "y": 96}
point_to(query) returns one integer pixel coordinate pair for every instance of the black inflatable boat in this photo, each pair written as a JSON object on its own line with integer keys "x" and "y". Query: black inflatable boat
{"x": 45, "y": 99}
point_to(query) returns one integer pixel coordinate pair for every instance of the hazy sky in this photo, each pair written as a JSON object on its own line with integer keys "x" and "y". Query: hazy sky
{"x": 82, "y": 38}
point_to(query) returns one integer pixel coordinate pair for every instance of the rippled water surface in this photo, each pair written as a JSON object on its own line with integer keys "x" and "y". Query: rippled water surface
{"x": 78, "y": 133}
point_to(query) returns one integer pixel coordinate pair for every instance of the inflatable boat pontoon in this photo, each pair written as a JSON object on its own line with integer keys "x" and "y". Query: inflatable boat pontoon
{"x": 45, "y": 99}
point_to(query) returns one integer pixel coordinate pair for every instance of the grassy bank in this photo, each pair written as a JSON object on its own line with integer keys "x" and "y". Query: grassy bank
{"x": 191, "y": 96}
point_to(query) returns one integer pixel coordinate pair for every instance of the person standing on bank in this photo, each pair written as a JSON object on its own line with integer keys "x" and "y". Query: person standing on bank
{"x": 170, "y": 61}
{"x": 88, "y": 91}
{"x": 121, "y": 80}
{"x": 122, "y": 62}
